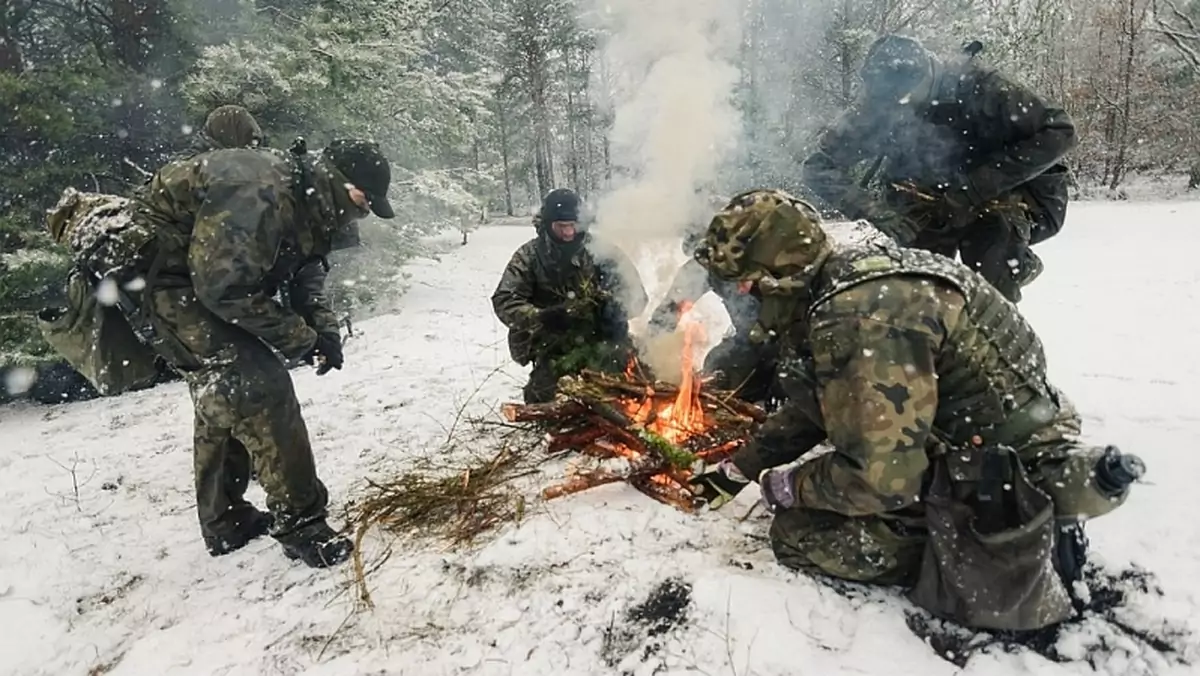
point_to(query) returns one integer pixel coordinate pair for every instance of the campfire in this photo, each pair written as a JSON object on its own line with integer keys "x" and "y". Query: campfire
{"x": 646, "y": 433}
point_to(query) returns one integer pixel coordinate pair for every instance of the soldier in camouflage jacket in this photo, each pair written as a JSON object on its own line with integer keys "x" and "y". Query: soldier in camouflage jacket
{"x": 968, "y": 161}
{"x": 233, "y": 227}
{"x": 566, "y": 298}
{"x": 950, "y": 457}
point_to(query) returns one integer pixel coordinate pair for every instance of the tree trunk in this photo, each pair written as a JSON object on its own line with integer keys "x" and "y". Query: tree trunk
{"x": 135, "y": 25}
{"x": 1131, "y": 33}
{"x": 503, "y": 120}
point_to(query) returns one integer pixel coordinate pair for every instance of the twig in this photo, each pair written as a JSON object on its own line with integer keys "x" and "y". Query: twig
{"x": 334, "y": 634}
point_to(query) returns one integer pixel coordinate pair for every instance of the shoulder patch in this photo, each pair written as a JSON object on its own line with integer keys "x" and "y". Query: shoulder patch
{"x": 872, "y": 263}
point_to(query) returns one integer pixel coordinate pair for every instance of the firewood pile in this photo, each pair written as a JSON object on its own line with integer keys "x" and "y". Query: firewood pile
{"x": 646, "y": 433}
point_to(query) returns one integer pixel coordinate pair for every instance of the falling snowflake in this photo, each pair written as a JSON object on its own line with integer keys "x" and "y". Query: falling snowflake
{"x": 107, "y": 292}
{"x": 19, "y": 380}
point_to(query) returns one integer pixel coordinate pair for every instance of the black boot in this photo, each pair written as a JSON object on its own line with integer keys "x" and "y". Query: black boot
{"x": 318, "y": 546}
{"x": 254, "y": 525}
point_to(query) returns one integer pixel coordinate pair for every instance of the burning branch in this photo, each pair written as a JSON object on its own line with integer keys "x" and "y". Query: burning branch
{"x": 659, "y": 430}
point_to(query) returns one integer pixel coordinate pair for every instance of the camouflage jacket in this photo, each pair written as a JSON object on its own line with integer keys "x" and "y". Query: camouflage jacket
{"x": 980, "y": 129}
{"x": 227, "y": 225}
{"x": 899, "y": 351}
{"x": 539, "y": 275}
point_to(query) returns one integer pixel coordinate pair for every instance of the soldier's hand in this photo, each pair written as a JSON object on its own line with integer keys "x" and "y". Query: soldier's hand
{"x": 612, "y": 322}
{"x": 326, "y": 353}
{"x": 555, "y": 318}
{"x": 717, "y": 484}
{"x": 778, "y": 486}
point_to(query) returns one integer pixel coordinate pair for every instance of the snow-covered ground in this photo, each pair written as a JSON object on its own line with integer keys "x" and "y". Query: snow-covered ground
{"x": 102, "y": 570}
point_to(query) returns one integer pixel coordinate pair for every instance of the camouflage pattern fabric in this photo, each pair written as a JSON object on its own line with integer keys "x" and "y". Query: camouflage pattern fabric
{"x": 600, "y": 290}
{"x": 232, "y": 127}
{"x": 912, "y": 362}
{"x": 88, "y": 330}
{"x": 228, "y": 240}
{"x": 982, "y": 137}
{"x": 772, "y": 239}
{"x": 225, "y": 127}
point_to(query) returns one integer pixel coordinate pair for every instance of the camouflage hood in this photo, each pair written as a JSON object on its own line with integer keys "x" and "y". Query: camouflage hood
{"x": 774, "y": 240}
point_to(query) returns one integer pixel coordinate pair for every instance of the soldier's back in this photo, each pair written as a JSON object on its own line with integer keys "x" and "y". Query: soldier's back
{"x": 990, "y": 363}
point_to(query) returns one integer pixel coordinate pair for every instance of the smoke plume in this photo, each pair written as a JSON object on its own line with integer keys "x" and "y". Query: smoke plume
{"x": 668, "y": 78}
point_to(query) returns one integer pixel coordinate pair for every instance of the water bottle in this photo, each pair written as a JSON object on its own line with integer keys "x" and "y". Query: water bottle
{"x": 1115, "y": 471}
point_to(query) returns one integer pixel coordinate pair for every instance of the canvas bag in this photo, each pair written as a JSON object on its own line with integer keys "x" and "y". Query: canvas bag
{"x": 90, "y": 331}
{"x": 988, "y": 572}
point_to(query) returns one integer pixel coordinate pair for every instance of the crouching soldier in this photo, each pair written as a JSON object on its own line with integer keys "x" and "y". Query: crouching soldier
{"x": 955, "y": 467}
{"x": 970, "y": 161}
{"x": 232, "y": 228}
{"x": 566, "y": 299}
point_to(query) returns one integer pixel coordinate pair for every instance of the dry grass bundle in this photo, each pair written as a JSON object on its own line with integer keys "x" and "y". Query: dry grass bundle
{"x": 437, "y": 500}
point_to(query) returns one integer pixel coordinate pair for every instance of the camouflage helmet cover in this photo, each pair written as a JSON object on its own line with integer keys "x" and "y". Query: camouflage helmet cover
{"x": 765, "y": 236}
{"x": 771, "y": 238}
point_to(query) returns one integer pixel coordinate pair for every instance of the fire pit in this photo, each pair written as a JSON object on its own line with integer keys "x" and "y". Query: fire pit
{"x": 652, "y": 431}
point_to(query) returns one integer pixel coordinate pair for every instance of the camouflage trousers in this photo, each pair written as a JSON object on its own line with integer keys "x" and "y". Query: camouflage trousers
{"x": 246, "y": 416}
{"x": 888, "y": 548}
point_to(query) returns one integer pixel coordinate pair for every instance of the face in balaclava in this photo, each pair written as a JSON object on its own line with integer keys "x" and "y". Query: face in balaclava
{"x": 897, "y": 71}
{"x": 558, "y": 221}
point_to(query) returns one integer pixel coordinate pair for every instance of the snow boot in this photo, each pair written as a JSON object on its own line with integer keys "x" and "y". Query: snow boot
{"x": 255, "y": 525}
{"x": 320, "y": 547}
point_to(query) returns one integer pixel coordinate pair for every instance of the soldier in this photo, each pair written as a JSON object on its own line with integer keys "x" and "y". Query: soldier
{"x": 232, "y": 228}
{"x": 969, "y": 161}
{"x": 566, "y": 299}
{"x": 952, "y": 459}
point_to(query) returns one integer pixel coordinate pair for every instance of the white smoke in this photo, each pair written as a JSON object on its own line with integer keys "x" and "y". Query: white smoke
{"x": 672, "y": 79}
{"x": 669, "y": 78}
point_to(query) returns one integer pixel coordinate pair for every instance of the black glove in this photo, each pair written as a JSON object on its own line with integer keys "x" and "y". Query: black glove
{"x": 556, "y": 318}
{"x": 612, "y": 322}
{"x": 328, "y": 351}
{"x": 718, "y": 484}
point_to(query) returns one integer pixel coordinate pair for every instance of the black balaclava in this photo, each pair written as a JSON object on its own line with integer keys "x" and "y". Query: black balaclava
{"x": 895, "y": 67}
{"x": 561, "y": 204}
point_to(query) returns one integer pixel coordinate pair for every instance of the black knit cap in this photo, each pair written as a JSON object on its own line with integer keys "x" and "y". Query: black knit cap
{"x": 365, "y": 166}
{"x": 560, "y": 204}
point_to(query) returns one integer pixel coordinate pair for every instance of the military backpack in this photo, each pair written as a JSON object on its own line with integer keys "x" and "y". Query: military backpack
{"x": 95, "y": 328}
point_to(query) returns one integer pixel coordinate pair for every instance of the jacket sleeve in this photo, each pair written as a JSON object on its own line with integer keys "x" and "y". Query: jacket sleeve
{"x": 828, "y": 172}
{"x": 235, "y": 239}
{"x": 787, "y": 434}
{"x": 307, "y": 296}
{"x": 512, "y": 301}
{"x": 874, "y": 348}
{"x": 625, "y": 284}
{"x": 1037, "y": 136}
{"x": 688, "y": 285}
